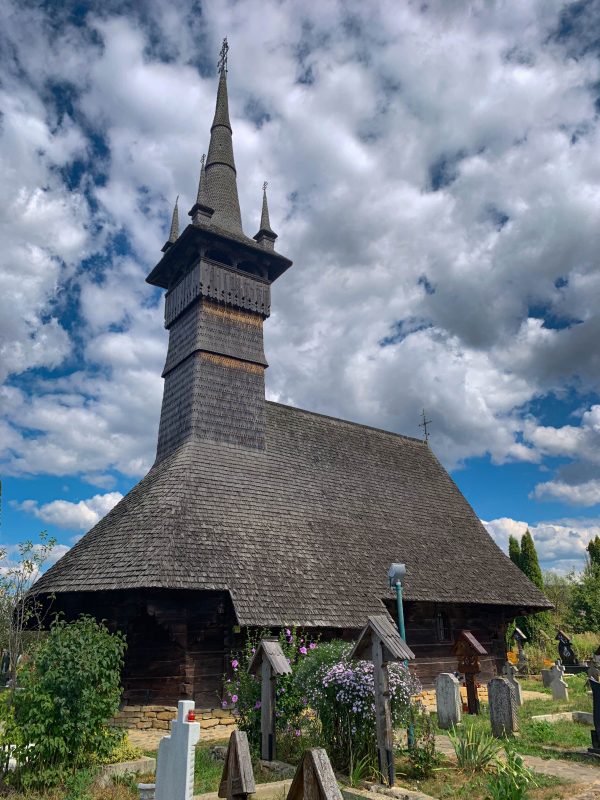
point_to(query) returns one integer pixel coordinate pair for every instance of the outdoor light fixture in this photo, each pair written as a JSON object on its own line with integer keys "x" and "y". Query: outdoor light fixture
{"x": 395, "y": 573}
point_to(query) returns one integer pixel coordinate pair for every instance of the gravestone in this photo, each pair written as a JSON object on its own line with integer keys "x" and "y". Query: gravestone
{"x": 566, "y": 651}
{"x": 546, "y": 678}
{"x": 560, "y": 690}
{"x": 270, "y": 663}
{"x": 381, "y": 643}
{"x": 314, "y": 778}
{"x": 237, "y": 780}
{"x": 510, "y": 673}
{"x": 503, "y": 708}
{"x": 448, "y": 702}
{"x": 175, "y": 763}
{"x": 595, "y": 687}
{"x": 520, "y": 639}
{"x": 468, "y": 650}
{"x": 594, "y": 668}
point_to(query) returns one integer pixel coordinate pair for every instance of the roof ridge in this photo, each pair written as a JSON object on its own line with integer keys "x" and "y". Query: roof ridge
{"x": 348, "y": 422}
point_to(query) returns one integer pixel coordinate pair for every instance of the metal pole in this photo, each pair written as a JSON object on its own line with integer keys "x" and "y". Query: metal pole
{"x": 410, "y": 733}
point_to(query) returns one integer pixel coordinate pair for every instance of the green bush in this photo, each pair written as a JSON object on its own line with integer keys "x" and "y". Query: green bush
{"x": 422, "y": 755}
{"x": 57, "y": 721}
{"x": 476, "y": 750}
{"x": 512, "y": 779}
{"x": 243, "y": 690}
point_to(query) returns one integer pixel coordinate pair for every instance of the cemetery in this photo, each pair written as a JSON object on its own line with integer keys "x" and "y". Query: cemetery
{"x": 227, "y": 629}
{"x": 315, "y": 718}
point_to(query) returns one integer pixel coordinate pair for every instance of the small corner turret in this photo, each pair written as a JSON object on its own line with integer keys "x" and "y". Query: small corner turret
{"x": 265, "y": 236}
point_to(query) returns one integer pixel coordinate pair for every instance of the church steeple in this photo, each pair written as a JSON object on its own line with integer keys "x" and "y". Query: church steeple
{"x": 221, "y": 182}
{"x": 174, "y": 232}
{"x": 218, "y": 296}
{"x": 265, "y": 236}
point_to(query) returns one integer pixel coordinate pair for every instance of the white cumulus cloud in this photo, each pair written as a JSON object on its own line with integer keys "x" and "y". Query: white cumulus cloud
{"x": 81, "y": 515}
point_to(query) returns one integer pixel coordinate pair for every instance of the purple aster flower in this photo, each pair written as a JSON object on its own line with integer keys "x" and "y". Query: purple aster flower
{"x": 235, "y": 663}
{"x": 312, "y": 645}
{"x": 257, "y": 704}
{"x": 303, "y": 650}
{"x": 234, "y": 698}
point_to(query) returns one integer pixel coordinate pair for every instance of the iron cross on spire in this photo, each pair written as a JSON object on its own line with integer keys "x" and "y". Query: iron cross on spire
{"x": 424, "y": 425}
{"x": 265, "y": 184}
{"x": 222, "y": 65}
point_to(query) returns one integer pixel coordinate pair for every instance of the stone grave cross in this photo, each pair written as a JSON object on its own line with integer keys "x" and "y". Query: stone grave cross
{"x": 468, "y": 650}
{"x": 560, "y": 690}
{"x": 510, "y": 673}
{"x": 381, "y": 643}
{"x": 176, "y": 755}
{"x": 269, "y": 662}
{"x": 520, "y": 638}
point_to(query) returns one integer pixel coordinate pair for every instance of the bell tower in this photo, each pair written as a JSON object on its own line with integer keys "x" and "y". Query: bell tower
{"x": 218, "y": 296}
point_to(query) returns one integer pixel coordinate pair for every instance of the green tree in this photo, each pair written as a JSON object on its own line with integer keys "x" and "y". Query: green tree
{"x": 593, "y": 549}
{"x": 514, "y": 550}
{"x": 559, "y": 590}
{"x": 58, "y": 721}
{"x": 529, "y": 561}
{"x": 585, "y": 609}
{"x": 533, "y": 624}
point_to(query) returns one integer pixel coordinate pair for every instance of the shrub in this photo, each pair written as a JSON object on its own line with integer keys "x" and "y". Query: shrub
{"x": 475, "y": 749}
{"x": 512, "y": 779}
{"x": 242, "y": 690}
{"x": 422, "y": 755}
{"x": 343, "y": 698}
{"x": 58, "y": 720}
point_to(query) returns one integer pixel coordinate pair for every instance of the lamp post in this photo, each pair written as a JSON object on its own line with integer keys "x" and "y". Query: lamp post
{"x": 396, "y": 573}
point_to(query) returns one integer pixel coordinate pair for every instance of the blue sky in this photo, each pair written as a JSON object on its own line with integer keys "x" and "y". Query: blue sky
{"x": 434, "y": 173}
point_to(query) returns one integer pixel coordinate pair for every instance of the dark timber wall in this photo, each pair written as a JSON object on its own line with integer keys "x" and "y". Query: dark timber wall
{"x": 179, "y": 644}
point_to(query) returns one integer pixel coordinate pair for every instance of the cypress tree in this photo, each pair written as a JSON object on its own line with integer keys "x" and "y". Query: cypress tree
{"x": 514, "y": 550}
{"x": 529, "y": 561}
{"x": 532, "y": 624}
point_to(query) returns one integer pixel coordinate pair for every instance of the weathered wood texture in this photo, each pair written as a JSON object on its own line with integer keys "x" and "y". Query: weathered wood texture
{"x": 237, "y": 780}
{"x": 383, "y": 713}
{"x": 180, "y": 642}
{"x": 314, "y": 778}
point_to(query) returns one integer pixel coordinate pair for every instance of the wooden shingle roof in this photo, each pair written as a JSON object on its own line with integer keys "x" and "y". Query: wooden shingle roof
{"x": 300, "y": 533}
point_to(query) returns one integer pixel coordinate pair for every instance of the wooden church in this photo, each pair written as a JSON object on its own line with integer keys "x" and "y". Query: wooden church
{"x": 261, "y": 515}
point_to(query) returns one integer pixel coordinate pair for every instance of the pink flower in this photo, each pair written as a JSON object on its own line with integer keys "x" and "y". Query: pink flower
{"x": 253, "y": 650}
{"x": 297, "y": 732}
{"x": 234, "y": 698}
{"x": 257, "y": 704}
{"x": 303, "y": 650}
{"x": 224, "y": 704}
{"x": 312, "y": 645}
{"x": 288, "y": 632}
{"x": 235, "y": 663}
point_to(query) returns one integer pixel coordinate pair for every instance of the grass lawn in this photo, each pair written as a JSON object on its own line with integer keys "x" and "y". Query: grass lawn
{"x": 449, "y": 782}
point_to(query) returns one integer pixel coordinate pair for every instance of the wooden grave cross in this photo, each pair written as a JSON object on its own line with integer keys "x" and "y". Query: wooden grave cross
{"x": 468, "y": 650}
{"x": 237, "y": 780}
{"x": 381, "y": 643}
{"x": 314, "y": 778}
{"x": 270, "y": 662}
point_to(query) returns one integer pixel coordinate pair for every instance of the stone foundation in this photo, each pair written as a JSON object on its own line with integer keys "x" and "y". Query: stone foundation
{"x": 216, "y": 721}
{"x": 427, "y": 697}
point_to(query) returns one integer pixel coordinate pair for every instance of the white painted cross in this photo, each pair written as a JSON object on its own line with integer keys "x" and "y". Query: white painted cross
{"x": 176, "y": 755}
